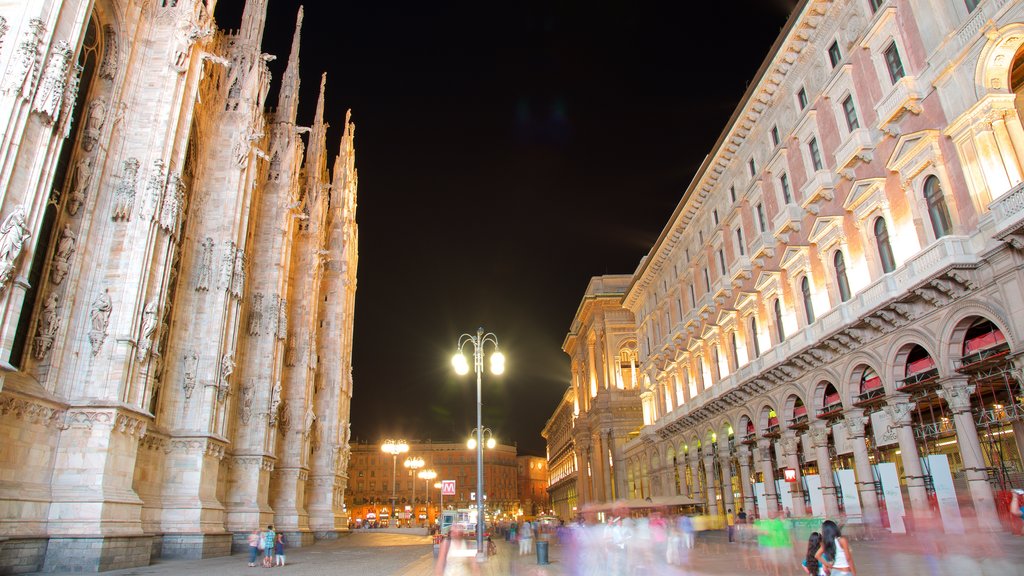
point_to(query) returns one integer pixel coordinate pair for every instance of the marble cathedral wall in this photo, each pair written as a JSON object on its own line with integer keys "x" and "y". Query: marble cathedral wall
{"x": 177, "y": 281}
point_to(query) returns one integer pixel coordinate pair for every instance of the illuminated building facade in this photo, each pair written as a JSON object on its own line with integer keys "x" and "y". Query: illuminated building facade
{"x": 368, "y": 498}
{"x": 563, "y": 463}
{"x": 177, "y": 282}
{"x": 838, "y": 295}
{"x": 533, "y": 485}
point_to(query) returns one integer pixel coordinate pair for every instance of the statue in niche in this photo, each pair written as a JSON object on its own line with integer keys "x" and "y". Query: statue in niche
{"x": 83, "y": 177}
{"x": 245, "y": 407}
{"x": 205, "y": 272}
{"x": 227, "y": 367}
{"x": 70, "y": 96}
{"x": 191, "y": 367}
{"x": 62, "y": 257}
{"x": 289, "y": 352}
{"x": 154, "y": 191}
{"x": 51, "y": 91}
{"x": 275, "y": 402}
{"x": 172, "y": 206}
{"x": 46, "y": 331}
{"x": 99, "y": 316}
{"x": 124, "y": 194}
{"x": 256, "y": 314}
{"x": 94, "y": 118}
{"x": 13, "y": 234}
{"x": 149, "y": 321}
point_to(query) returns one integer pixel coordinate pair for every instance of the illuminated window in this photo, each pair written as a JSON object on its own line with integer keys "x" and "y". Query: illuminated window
{"x": 893, "y": 63}
{"x": 841, "y": 279}
{"x": 884, "y": 248}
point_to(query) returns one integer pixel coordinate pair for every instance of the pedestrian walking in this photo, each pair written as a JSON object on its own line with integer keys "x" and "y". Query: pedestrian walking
{"x": 811, "y": 564}
{"x": 730, "y": 524}
{"x": 526, "y": 538}
{"x": 834, "y": 552}
{"x": 254, "y": 546}
{"x": 279, "y": 550}
{"x": 268, "y": 538}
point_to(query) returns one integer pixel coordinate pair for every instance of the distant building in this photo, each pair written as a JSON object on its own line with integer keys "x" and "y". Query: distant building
{"x": 562, "y": 461}
{"x": 368, "y": 498}
{"x": 533, "y": 485}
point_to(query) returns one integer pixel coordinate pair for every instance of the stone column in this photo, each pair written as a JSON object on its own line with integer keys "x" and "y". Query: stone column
{"x": 957, "y": 394}
{"x": 900, "y": 411}
{"x": 709, "y": 483}
{"x": 790, "y": 441}
{"x": 743, "y": 454}
{"x": 600, "y": 469}
{"x": 854, "y": 420}
{"x": 764, "y": 453}
{"x": 582, "y": 478}
{"x": 725, "y": 462}
{"x": 694, "y": 485}
{"x": 819, "y": 438}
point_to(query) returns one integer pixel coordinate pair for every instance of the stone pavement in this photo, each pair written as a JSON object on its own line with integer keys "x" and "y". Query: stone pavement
{"x": 382, "y": 554}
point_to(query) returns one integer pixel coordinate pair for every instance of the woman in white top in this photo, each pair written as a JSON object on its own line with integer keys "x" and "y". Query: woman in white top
{"x": 834, "y": 553}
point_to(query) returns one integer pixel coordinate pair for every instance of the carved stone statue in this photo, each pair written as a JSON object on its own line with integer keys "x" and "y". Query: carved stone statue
{"x": 13, "y": 234}
{"x": 62, "y": 257}
{"x": 20, "y": 76}
{"x": 275, "y": 402}
{"x": 227, "y": 366}
{"x": 124, "y": 194}
{"x": 83, "y": 177}
{"x": 245, "y": 406}
{"x": 154, "y": 191}
{"x": 46, "y": 331}
{"x": 108, "y": 68}
{"x": 256, "y": 314}
{"x": 51, "y": 91}
{"x": 94, "y": 118}
{"x": 191, "y": 367}
{"x": 204, "y": 273}
{"x": 149, "y": 322}
{"x": 99, "y": 316}
{"x": 172, "y": 206}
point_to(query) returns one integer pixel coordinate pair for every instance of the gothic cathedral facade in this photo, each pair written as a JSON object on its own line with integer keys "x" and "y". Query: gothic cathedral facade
{"x": 177, "y": 282}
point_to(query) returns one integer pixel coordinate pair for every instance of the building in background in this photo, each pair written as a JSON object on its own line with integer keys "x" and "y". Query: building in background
{"x": 370, "y": 487}
{"x": 831, "y": 320}
{"x": 177, "y": 280}
{"x": 562, "y": 461}
{"x": 533, "y": 485}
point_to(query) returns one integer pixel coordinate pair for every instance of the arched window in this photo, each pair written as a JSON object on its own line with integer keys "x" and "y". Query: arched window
{"x": 753, "y": 337}
{"x": 735, "y": 350}
{"x": 805, "y": 289}
{"x": 779, "y": 330}
{"x": 938, "y": 213}
{"x": 884, "y": 248}
{"x": 841, "y": 279}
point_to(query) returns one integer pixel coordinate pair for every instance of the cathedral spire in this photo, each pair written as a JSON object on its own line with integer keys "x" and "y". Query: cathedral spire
{"x": 316, "y": 158}
{"x": 254, "y": 17}
{"x": 288, "y": 99}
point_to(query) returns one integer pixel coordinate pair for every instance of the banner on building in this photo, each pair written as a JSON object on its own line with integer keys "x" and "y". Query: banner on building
{"x": 880, "y": 425}
{"x": 886, "y": 474}
{"x": 847, "y": 482}
{"x": 942, "y": 481}
{"x": 813, "y": 483}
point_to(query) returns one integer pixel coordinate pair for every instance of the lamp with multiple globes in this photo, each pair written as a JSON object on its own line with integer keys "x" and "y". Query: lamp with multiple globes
{"x": 427, "y": 476}
{"x": 394, "y": 447}
{"x": 462, "y": 367}
{"x": 413, "y": 463}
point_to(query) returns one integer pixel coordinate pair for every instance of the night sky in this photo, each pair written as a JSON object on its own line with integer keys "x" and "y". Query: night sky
{"x": 507, "y": 152}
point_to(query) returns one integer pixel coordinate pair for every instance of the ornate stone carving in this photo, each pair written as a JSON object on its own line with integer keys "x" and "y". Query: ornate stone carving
{"x": 31, "y": 412}
{"x": 3, "y": 30}
{"x": 108, "y": 67}
{"x": 289, "y": 352}
{"x": 49, "y": 324}
{"x": 173, "y": 206}
{"x": 13, "y": 234}
{"x": 227, "y": 267}
{"x": 283, "y": 419}
{"x": 154, "y": 191}
{"x": 275, "y": 403}
{"x": 282, "y": 319}
{"x": 204, "y": 269}
{"x": 124, "y": 193}
{"x": 238, "y": 275}
{"x": 70, "y": 96}
{"x": 855, "y": 425}
{"x": 99, "y": 316}
{"x": 256, "y": 314}
{"x": 899, "y": 412}
{"x": 146, "y": 335}
{"x": 818, "y": 436}
{"x": 62, "y": 256}
{"x": 88, "y": 418}
{"x": 245, "y": 406}
{"x": 83, "y": 177}
{"x": 187, "y": 35}
{"x": 95, "y": 116}
{"x": 190, "y": 365}
{"x": 21, "y": 70}
{"x": 50, "y": 96}
{"x": 227, "y": 367}
{"x": 957, "y": 395}
{"x": 789, "y": 444}
{"x": 130, "y": 425}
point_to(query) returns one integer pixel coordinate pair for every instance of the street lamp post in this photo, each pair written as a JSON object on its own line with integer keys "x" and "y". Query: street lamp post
{"x": 462, "y": 367}
{"x": 394, "y": 447}
{"x": 414, "y": 464}
{"x": 440, "y": 503}
{"x": 426, "y": 476}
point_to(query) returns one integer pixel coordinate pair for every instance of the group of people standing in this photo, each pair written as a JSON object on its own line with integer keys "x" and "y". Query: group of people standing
{"x": 829, "y": 552}
{"x": 268, "y": 544}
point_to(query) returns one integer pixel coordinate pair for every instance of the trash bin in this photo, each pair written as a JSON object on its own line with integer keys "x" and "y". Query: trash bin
{"x": 542, "y": 551}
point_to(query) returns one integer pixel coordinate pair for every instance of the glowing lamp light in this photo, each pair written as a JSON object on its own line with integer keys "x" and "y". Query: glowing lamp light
{"x": 460, "y": 364}
{"x": 497, "y": 363}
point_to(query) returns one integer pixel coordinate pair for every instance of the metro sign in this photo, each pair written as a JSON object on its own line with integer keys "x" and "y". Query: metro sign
{"x": 789, "y": 474}
{"x": 448, "y": 487}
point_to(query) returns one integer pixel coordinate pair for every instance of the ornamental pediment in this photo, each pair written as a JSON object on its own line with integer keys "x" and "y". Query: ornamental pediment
{"x": 865, "y": 196}
{"x": 913, "y": 153}
{"x": 826, "y": 230}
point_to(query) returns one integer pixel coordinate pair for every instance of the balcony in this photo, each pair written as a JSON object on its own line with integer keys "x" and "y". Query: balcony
{"x": 787, "y": 221}
{"x": 749, "y": 439}
{"x": 818, "y": 190}
{"x": 740, "y": 270}
{"x": 799, "y": 421}
{"x": 773, "y": 430}
{"x": 905, "y": 96}
{"x": 833, "y": 407}
{"x": 762, "y": 247}
{"x": 920, "y": 374}
{"x": 1008, "y": 214}
{"x": 857, "y": 147}
{"x": 872, "y": 397}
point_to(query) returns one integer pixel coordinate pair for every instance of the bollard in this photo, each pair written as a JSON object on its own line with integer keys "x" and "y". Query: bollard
{"x": 542, "y": 551}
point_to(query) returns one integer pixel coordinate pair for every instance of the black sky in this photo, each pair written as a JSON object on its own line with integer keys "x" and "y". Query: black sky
{"x": 507, "y": 152}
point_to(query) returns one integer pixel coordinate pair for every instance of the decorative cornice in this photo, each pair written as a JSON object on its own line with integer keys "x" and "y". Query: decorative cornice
{"x": 30, "y": 411}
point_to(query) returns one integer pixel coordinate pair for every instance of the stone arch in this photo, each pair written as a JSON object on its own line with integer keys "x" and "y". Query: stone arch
{"x": 792, "y": 397}
{"x": 745, "y": 425}
{"x": 849, "y": 383}
{"x": 960, "y": 319}
{"x": 993, "y": 72}
{"x": 900, "y": 352}
{"x": 763, "y": 416}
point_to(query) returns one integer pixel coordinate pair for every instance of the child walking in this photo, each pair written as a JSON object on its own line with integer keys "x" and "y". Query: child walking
{"x": 279, "y": 550}
{"x": 810, "y": 563}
